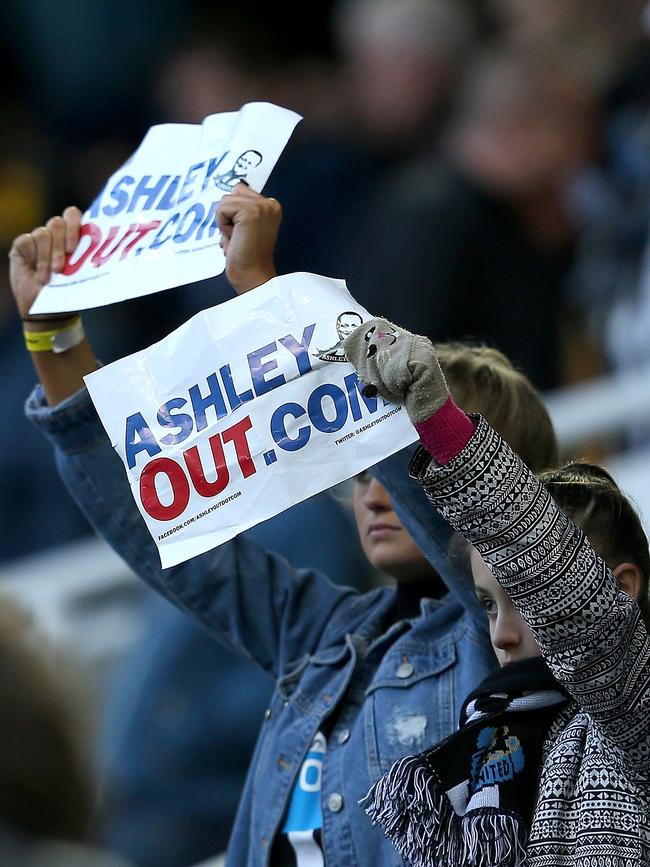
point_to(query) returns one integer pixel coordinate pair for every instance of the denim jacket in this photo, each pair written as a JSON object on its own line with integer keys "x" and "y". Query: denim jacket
{"x": 389, "y": 687}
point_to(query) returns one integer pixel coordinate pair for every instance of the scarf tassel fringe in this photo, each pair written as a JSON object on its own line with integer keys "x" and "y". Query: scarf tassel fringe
{"x": 417, "y": 816}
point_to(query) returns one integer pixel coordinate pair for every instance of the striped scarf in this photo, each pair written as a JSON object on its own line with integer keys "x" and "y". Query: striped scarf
{"x": 470, "y": 800}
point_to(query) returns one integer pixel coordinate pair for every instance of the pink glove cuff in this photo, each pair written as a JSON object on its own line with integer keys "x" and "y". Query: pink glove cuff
{"x": 446, "y": 433}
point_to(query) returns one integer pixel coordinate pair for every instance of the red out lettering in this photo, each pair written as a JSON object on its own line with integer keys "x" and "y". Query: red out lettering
{"x": 178, "y": 478}
{"x": 179, "y": 485}
{"x": 193, "y": 460}
{"x": 237, "y": 435}
{"x": 94, "y": 235}
{"x": 141, "y": 230}
{"x": 102, "y": 251}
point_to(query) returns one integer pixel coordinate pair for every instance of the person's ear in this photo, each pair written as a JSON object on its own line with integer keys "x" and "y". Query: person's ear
{"x": 630, "y": 579}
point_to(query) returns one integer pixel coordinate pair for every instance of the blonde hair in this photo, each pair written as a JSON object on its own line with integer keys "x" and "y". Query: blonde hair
{"x": 482, "y": 380}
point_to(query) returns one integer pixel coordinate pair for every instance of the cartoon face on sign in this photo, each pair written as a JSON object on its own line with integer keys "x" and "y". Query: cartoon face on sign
{"x": 243, "y": 164}
{"x": 345, "y": 324}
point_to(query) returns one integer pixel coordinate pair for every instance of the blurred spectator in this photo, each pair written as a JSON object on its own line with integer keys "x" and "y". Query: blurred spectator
{"x": 478, "y": 242}
{"x": 596, "y": 34}
{"x": 321, "y": 171}
{"x": 46, "y": 795}
{"x": 102, "y": 54}
{"x": 386, "y": 101}
{"x": 35, "y": 511}
{"x": 400, "y": 62}
{"x": 611, "y": 280}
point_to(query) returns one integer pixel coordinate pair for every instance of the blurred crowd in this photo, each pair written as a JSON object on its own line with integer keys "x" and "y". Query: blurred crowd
{"x": 490, "y": 156}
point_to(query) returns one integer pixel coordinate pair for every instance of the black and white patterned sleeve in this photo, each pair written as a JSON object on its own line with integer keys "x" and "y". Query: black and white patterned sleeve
{"x": 590, "y": 632}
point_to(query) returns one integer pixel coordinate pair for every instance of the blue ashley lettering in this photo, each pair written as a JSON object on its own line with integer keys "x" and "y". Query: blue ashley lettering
{"x": 235, "y": 400}
{"x": 136, "y": 426}
{"x": 189, "y": 180}
{"x": 200, "y": 403}
{"x": 149, "y": 192}
{"x": 168, "y": 201}
{"x": 163, "y": 190}
{"x": 119, "y": 195}
{"x": 300, "y": 350}
{"x": 223, "y": 398}
{"x": 181, "y": 420}
{"x": 213, "y": 165}
{"x": 259, "y": 369}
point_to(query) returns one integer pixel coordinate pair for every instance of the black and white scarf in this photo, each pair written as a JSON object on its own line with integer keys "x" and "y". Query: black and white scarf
{"x": 470, "y": 800}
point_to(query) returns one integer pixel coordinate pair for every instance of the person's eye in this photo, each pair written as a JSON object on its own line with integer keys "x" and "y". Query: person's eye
{"x": 363, "y": 478}
{"x": 489, "y": 605}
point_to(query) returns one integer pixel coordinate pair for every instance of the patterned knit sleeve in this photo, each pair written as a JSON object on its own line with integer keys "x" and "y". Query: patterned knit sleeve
{"x": 590, "y": 632}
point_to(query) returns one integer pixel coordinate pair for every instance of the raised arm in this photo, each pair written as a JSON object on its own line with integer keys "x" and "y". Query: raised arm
{"x": 589, "y": 631}
{"x": 251, "y": 598}
{"x": 33, "y": 258}
{"x": 249, "y": 226}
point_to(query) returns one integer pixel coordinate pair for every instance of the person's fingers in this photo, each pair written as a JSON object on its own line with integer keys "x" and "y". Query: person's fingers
{"x": 243, "y": 189}
{"x": 43, "y": 240}
{"x": 234, "y": 205}
{"x": 273, "y": 208}
{"x": 24, "y": 248}
{"x": 235, "y": 208}
{"x": 249, "y": 203}
{"x": 228, "y": 208}
{"x": 56, "y": 228}
{"x": 72, "y": 217}
{"x": 248, "y": 223}
{"x": 225, "y": 215}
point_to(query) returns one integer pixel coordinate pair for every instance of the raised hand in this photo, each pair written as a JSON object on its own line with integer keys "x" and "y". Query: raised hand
{"x": 249, "y": 224}
{"x": 36, "y": 255}
{"x": 402, "y": 367}
{"x": 33, "y": 258}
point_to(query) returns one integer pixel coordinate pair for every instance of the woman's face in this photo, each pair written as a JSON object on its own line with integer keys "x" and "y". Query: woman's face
{"x": 512, "y": 638}
{"x": 383, "y": 538}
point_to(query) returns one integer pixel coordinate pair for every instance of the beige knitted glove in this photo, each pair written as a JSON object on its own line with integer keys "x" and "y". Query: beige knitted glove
{"x": 402, "y": 367}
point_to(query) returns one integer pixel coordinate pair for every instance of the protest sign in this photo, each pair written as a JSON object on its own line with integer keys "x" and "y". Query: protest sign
{"x": 154, "y": 226}
{"x": 243, "y": 411}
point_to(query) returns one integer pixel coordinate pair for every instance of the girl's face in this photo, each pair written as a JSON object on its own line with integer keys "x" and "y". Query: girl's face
{"x": 512, "y": 638}
{"x": 383, "y": 538}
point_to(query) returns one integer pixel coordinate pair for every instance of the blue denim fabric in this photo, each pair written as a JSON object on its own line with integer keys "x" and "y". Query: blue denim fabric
{"x": 173, "y": 755}
{"x": 389, "y": 688}
{"x": 445, "y": 549}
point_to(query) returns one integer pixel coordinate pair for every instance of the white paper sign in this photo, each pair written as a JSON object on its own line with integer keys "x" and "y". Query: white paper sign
{"x": 154, "y": 226}
{"x": 245, "y": 410}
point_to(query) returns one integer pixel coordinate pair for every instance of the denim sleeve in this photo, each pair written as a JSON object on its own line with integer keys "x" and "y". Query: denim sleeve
{"x": 253, "y": 600}
{"x": 436, "y": 538}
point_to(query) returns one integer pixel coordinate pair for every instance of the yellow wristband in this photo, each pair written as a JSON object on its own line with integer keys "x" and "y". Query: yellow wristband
{"x": 56, "y": 340}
